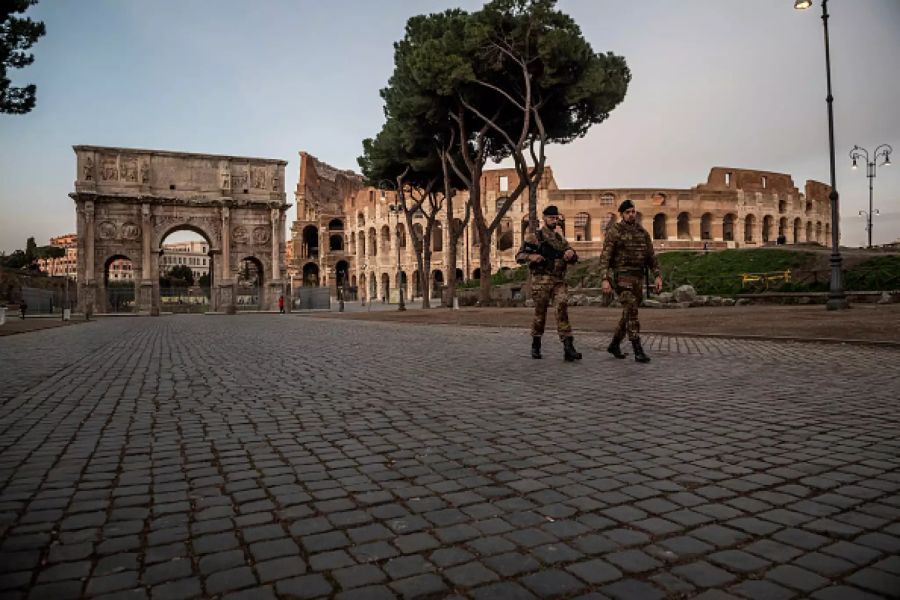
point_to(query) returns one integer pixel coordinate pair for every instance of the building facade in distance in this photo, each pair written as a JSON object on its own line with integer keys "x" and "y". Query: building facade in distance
{"x": 345, "y": 231}
{"x": 193, "y": 254}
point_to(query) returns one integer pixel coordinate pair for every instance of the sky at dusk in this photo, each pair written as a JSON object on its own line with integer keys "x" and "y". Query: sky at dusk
{"x": 715, "y": 83}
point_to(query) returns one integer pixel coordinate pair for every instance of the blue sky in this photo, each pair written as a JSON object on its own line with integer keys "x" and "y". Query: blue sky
{"x": 715, "y": 82}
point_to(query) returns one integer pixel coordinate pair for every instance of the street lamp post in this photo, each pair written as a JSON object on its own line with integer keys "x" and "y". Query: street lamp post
{"x": 836, "y": 297}
{"x": 884, "y": 150}
{"x": 396, "y": 209}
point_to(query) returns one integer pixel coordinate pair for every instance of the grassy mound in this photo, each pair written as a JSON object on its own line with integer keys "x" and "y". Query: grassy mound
{"x": 720, "y": 273}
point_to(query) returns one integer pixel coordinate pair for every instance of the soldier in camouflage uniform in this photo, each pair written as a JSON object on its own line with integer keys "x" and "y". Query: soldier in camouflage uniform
{"x": 627, "y": 251}
{"x": 548, "y": 254}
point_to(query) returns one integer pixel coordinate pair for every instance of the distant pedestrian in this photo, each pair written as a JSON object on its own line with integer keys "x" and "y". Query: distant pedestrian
{"x": 23, "y": 306}
{"x": 281, "y": 304}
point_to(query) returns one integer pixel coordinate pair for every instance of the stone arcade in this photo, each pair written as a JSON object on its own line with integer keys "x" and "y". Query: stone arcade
{"x": 128, "y": 201}
{"x": 345, "y": 232}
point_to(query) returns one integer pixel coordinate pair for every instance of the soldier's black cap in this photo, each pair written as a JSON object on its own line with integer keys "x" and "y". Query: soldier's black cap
{"x": 626, "y": 204}
{"x": 551, "y": 211}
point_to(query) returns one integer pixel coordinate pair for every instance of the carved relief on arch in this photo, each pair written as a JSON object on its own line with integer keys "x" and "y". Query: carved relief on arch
{"x": 239, "y": 234}
{"x": 260, "y": 235}
{"x": 106, "y": 230}
{"x": 258, "y": 177}
{"x": 109, "y": 168}
{"x": 130, "y": 231}
{"x": 130, "y": 169}
{"x": 88, "y": 169}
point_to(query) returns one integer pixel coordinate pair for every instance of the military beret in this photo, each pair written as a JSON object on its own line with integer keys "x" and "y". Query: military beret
{"x": 551, "y": 211}
{"x": 626, "y": 204}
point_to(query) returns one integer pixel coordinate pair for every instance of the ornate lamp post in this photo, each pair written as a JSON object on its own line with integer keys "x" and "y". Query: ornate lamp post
{"x": 836, "y": 298}
{"x": 884, "y": 150}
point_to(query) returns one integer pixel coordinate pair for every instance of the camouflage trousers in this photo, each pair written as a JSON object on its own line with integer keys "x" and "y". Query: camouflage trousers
{"x": 544, "y": 290}
{"x": 631, "y": 292}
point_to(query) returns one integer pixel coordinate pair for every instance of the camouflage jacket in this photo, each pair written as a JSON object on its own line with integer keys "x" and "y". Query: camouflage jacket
{"x": 552, "y": 245}
{"x": 627, "y": 250}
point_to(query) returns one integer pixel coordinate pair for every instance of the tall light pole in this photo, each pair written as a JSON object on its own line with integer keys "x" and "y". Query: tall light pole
{"x": 836, "y": 298}
{"x": 884, "y": 150}
{"x": 396, "y": 209}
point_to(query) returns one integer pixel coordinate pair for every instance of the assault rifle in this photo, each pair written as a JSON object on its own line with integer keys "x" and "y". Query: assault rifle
{"x": 544, "y": 249}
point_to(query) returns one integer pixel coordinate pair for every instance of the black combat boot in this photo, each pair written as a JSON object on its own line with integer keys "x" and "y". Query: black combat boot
{"x": 639, "y": 355}
{"x": 535, "y": 346}
{"x": 569, "y": 351}
{"x": 615, "y": 349}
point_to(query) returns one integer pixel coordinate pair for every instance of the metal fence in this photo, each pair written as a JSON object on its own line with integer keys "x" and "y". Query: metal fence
{"x": 43, "y": 301}
{"x": 184, "y": 300}
{"x": 312, "y": 298}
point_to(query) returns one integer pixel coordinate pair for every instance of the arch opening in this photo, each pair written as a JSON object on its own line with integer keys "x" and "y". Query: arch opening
{"x": 659, "y": 227}
{"x": 185, "y": 270}
{"x": 249, "y": 290}
{"x": 119, "y": 282}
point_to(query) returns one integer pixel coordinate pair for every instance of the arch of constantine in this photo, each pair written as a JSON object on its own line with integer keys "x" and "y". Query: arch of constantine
{"x": 345, "y": 232}
{"x": 129, "y": 200}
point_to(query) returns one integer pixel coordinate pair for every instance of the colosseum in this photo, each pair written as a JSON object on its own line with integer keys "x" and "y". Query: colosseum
{"x": 346, "y": 234}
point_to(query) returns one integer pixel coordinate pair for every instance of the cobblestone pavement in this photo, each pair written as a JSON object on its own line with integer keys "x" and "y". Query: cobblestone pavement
{"x": 266, "y": 456}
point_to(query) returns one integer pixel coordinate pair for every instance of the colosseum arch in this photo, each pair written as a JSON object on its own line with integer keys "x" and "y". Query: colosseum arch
{"x": 684, "y": 226}
{"x": 809, "y": 232}
{"x": 336, "y": 235}
{"x": 706, "y": 226}
{"x": 504, "y": 235}
{"x": 385, "y": 239}
{"x": 728, "y": 222}
{"x": 767, "y": 225}
{"x": 128, "y": 200}
{"x": 749, "y": 227}
{"x": 798, "y": 227}
{"x": 659, "y": 227}
{"x": 373, "y": 242}
{"x": 437, "y": 237}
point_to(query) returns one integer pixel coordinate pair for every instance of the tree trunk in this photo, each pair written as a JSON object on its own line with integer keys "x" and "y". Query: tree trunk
{"x": 451, "y": 253}
{"x": 425, "y": 268}
{"x": 533, "y": 222}
{"x": 420, "y": 263}
{"x": 484, "y": 263}
{"x": 426, "y": 277}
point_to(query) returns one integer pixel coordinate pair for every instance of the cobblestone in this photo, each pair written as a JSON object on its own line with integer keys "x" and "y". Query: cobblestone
{"x": 282, "y": 456}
